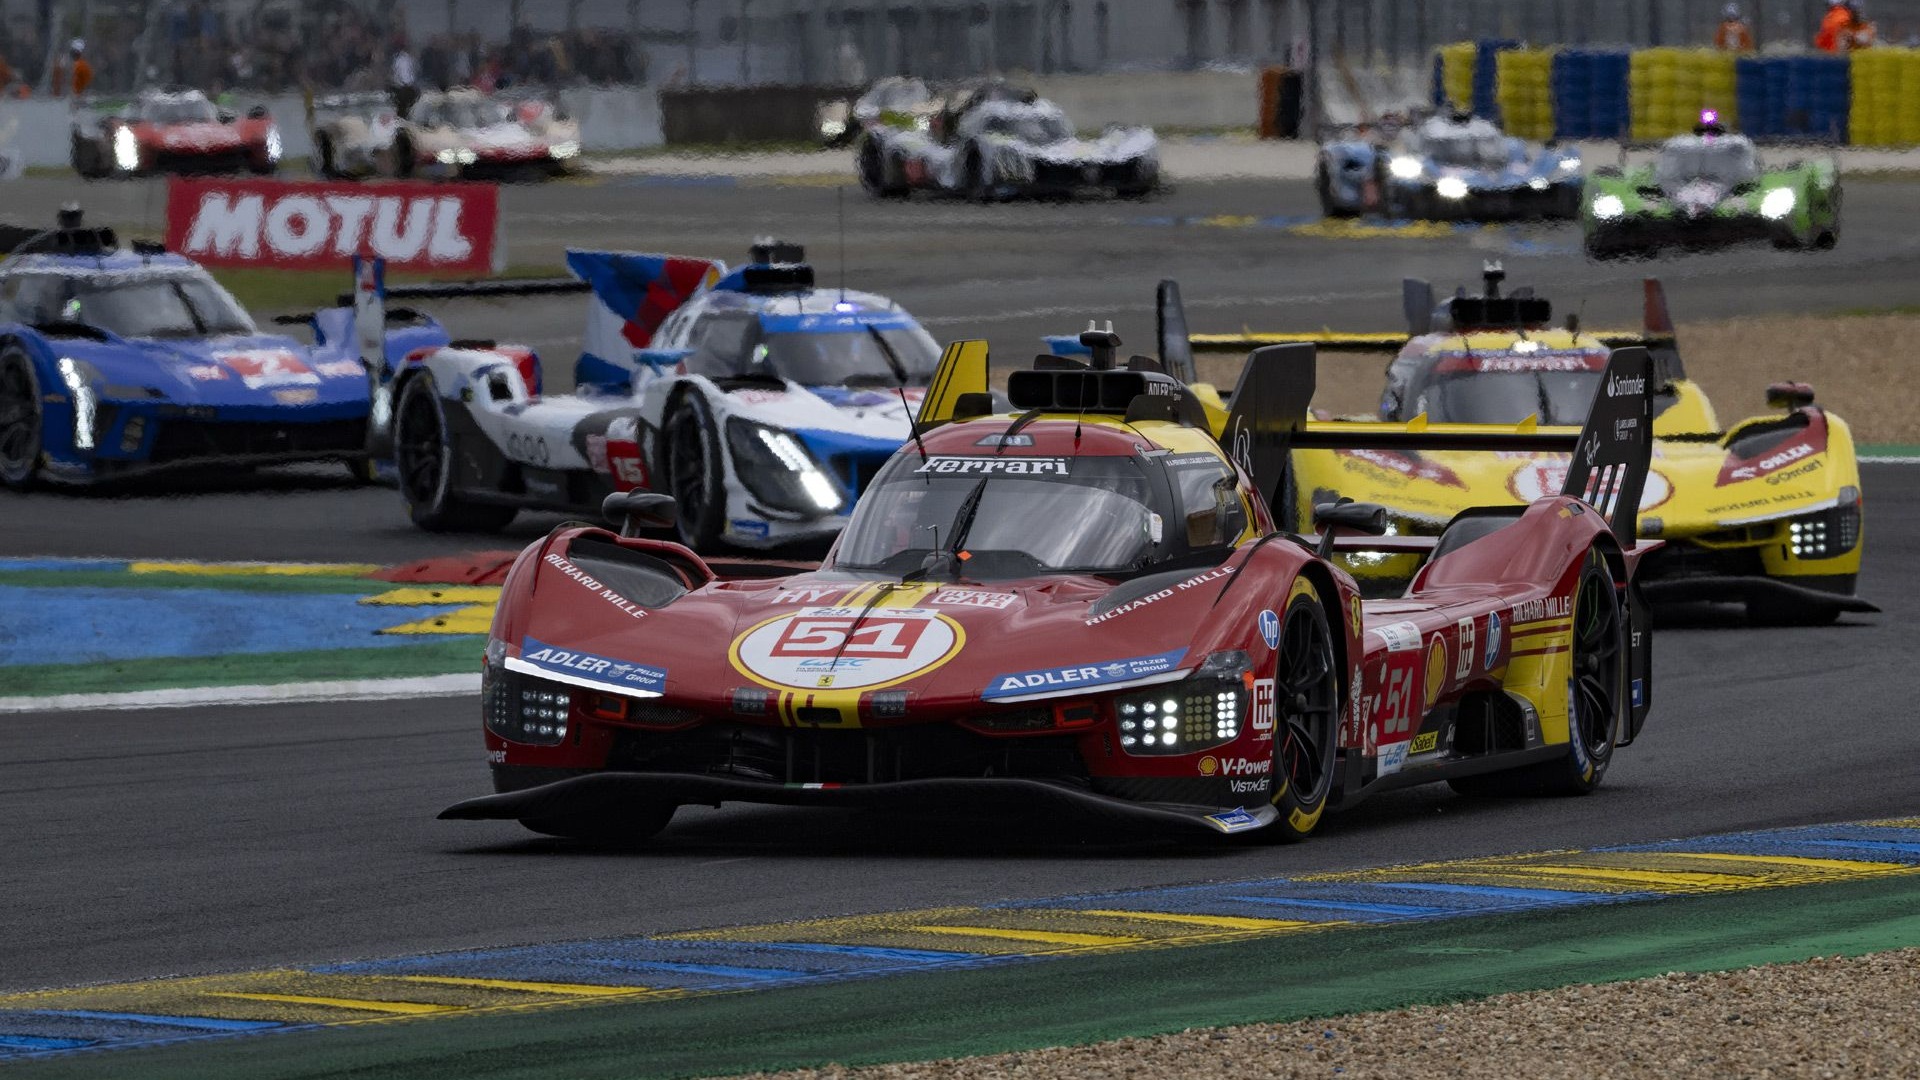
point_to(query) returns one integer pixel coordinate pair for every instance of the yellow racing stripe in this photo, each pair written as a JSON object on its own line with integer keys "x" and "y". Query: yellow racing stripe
{"x": 1214, "y": 922}
{"x": 558, "y": 989}
{"x": 1038, "y": 937}
{"x": 397, "y": 1008}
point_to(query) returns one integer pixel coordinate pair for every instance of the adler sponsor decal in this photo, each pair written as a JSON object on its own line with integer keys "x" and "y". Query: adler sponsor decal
{"x": 585, "y": 668}
{"x": 1075, "y": 676}
{"x": 232, "y": 222}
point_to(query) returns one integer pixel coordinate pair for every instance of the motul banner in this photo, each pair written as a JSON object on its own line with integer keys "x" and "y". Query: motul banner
{"x": 313, "y": 226}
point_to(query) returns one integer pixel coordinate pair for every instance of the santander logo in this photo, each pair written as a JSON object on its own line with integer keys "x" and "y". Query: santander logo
{"x": 427, "y": 227}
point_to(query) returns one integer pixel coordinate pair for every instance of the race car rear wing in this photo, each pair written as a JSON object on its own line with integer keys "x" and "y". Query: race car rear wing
{"x": 1610, "y": 454}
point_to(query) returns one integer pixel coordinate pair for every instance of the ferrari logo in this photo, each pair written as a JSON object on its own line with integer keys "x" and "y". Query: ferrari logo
{"x": 825, "y": 681}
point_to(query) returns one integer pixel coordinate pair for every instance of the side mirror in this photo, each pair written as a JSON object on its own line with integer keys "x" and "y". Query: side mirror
{"x": 293, "y": 320}
{"x": 1368, "y": 518}
{"x": 636, "y": 510}
{"x": 661, "y": 359}
{"x": 1789, "y": 395}
{"x": 258, "y": 112}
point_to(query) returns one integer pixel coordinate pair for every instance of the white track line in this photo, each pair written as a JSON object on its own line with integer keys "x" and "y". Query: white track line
{"x": 1877, "y": 459}
{"x": 281, "y": 694}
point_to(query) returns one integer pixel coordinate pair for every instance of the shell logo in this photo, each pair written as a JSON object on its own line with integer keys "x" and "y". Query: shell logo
{"x": 1209, "y": 765}
{"x": 1538, "y": 479}
{"x": 1436, "y": 668}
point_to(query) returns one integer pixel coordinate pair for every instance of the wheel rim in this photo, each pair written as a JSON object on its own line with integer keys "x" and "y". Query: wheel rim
{"x": 689, "y": 483}
{"x": 1596, "y": 662}
{"x": 1306, "y": 693}
{"x": 19, "y": 420}
{"x": 419, "y": 451}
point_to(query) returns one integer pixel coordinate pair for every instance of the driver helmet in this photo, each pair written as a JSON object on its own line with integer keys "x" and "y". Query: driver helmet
{"x": 1732, "y": 11}
{"x": 76, "y": 46}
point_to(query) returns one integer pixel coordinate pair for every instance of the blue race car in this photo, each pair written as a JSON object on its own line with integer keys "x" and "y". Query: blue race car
{"x": 1447, "y": 167}
{"x": 116, "y": 361}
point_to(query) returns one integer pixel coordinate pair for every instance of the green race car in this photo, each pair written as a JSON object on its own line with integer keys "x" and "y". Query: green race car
{"x": 1707, "y": 190}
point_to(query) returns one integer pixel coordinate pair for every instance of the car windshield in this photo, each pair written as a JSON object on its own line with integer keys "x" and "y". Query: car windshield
{"x": 174, "y": 305}
{"x": 198, "y": 111}
{"x": 888, "y": 95}
{"x": 1467, "y": 151}
{"x": 850, "y": 358}
{"x": 1726, "y": 162}
{"x": 1508, "y": 397}
{"x": 1030, "y": 127}
{"x": 466, "y": 114}
{"x": 1033, "y": 515}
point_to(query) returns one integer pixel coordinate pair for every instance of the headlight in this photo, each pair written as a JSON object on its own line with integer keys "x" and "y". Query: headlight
{"x": 456, "y": 157}
{"x": 1451, "y": 187}
{"x": 1777, "y": 204}
{"x": 778, "y": 471}
{"x": 126, "y": 149}
{"x": 1197, "y": 713}
{"x": 923, "y": 123}
{"x": 1829, "y": 533}
{"x": 1538, "y": 183}
{"x": 1569, "y": 165}
{"x": 564, "y": 150}
{"x": 833, "y": 129}
{"x": 1608, "y": 207}
{"x": 78, "y": 376}
{"x": 273, "y": 144}
{"x": 524, "y": 709}
{"x": 1404, "y": 168}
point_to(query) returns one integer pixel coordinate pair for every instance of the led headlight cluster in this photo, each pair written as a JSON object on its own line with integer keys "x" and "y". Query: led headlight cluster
{"x": 778, "y": 470}
{"x": 527, "y": 710}
{"x": 460, "y": 156}
{"x": 1184, "y": 717}
{"x": 1828, "y": 533}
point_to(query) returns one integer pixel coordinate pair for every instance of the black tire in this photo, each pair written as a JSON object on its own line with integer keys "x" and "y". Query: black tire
{"x": 423, "y": 464}
{"x": 881, "y": 176}
{"x": 22, "y": 419}
{"x": 974, "y": 180}
{"x": 1784, "y": 611}
{"x": 323, "y": 162}
{"x": 632, "y": 828}
{"x": 1829, "y": 238}
{"x": 693, "y": 471}
{"x": 402, "y": 156}
{"x": 362, "y": 470}
{"x": 1323, "y": 187}
{"x": 1596, "y": 697}
{"x": 1306, "y": 693}
{"x": 86, "y": 159}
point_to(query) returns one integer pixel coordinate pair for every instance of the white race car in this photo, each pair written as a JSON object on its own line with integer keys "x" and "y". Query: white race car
{"x": 456, "y": 134}
{"x": 760, "y": 403}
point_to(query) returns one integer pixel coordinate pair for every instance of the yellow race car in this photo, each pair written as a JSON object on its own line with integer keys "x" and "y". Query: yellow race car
{"x": 1766, "y": 511}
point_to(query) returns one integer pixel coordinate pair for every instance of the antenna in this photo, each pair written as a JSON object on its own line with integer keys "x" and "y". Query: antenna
{"x": 840, "y": 198}
{"x": 900, "y": 384}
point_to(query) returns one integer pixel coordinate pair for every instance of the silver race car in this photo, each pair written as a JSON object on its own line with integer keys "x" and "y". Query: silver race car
{"x": 456, "y": 134}
{"x": 996, "y": 141}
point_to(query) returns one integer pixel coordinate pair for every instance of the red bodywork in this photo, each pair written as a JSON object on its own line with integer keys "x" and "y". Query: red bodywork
{"x": 198, "y": 147}
{"x": 829, "y": 681}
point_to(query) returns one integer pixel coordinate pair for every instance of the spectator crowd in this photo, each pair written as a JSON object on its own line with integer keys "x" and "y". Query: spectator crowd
{"x": 318, "y": 45}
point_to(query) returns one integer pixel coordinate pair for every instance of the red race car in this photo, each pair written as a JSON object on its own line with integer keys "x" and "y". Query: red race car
{"x": 1084, "y": 607}
{"x": 173, "y": 131}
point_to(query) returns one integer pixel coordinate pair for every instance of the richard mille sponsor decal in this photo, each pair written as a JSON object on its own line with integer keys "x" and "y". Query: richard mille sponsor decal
{"x": 980, "y": 466}
{"x": 570, "y": 665}
{"x": 846, "y": 648}
{"x": 1045, "y": 680}
{"x": 1193, "y": 582}
{"x": 1463, "y": 649}
{"x": 1553, "y": 607}
{"x": 1399, "y": 637}
{"x": 592, "y": 584}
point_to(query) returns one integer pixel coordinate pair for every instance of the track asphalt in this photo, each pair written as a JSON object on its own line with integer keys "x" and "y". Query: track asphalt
{"x": 232, "y": 838}
{"x": 956, "y": 981}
